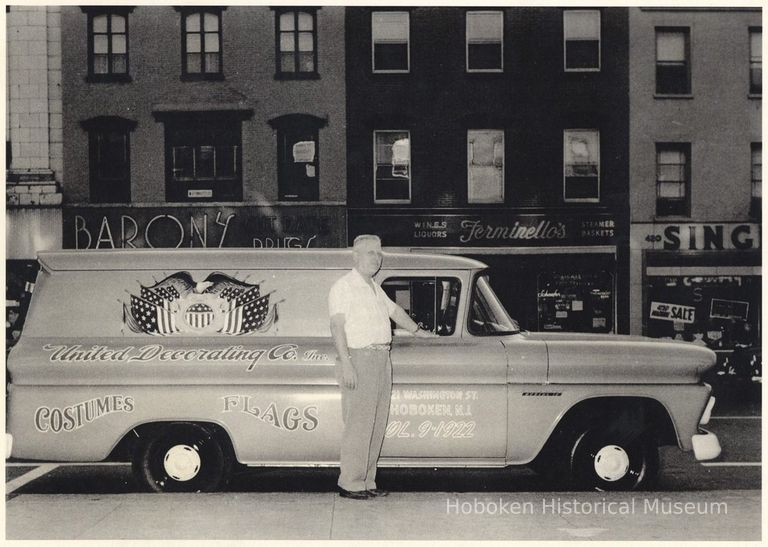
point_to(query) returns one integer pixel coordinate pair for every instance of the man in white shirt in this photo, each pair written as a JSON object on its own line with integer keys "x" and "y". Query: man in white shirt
{"x": 360, "y": 312}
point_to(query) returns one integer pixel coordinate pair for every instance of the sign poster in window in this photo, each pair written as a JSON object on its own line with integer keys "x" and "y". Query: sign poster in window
{"x": 576, "y": 302}
{"x": 304, "y": 152}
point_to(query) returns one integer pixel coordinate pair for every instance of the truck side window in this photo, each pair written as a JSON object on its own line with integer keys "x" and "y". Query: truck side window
{"x": 432, "y": 302}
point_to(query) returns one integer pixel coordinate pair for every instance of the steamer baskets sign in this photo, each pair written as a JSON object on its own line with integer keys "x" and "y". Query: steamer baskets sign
{"x": 248, "y": 226}
{"x": 503, "y": 228}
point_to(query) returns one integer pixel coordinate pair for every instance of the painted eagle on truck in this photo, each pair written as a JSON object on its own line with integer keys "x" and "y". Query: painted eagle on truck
{"x": 220, "y": 304}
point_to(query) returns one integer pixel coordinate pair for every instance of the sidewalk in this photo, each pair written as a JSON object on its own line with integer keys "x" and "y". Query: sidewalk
{"x": 721, "y": 515}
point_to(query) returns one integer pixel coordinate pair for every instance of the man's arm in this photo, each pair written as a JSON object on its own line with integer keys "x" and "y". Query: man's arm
{"x": 403, "y": 320}
{"x": 348, "y": 374}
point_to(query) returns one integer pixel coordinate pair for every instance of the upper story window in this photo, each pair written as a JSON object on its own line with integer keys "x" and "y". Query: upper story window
{"x": 107, "y": 44}
{"x": 673, "y": 66}
{"x": 296, "y": 46}
{"x": 581, "y": 165}
{"x": 756, "y": 61}
{"x": 485, "y": 41}
{"x": 203, "y": 156}
{"x": 432, "y": 302}
{"x": 581, "y": 40}
{"x": 392, "y": 165}
{"x": 109, "y": 158}
{"x": 485, "y": 166}
{"x": 298, "y": 156}
{"x": 201, "y": 40}
{"x": 390, "y": 37}
{"x": 673, "y": 179}
{"x": 757, "y": 180}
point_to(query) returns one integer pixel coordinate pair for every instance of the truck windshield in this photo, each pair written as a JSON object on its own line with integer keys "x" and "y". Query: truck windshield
{"x": 487, "y": 315}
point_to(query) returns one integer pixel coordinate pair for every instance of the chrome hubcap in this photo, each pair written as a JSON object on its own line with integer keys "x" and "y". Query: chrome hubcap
{"x": 611, "y": 463}
{"x": 182, "y": 462}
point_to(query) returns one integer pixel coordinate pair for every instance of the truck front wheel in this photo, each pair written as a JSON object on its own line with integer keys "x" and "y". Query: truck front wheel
{"x": 181, "y": 457}
{"x": 607, "y": 461}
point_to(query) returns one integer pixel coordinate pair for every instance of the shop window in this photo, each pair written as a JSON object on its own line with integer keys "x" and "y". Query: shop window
{"x": 756, "y": 61}
{"x": 201, "y": 40}
{"x": 673, "y": 179}
{"x": 673, "y": 67}
{"x": 392, "y": 164}
{"x": 581, "y": 160}
{"x": 107, "y": 44}
{"x": 390, "y": 36}
{"x": 298, "y": 156}
{"x": 296, "y": 36}
{"x": 581, "y": 40}
{"x": 109, "y": 158}
{"x": 203, "y": 154}
{"x": 432, "y": 302}
{"x": 576, "y": 301}
{"x": 757, "y": 181}
{"x": 485, "y": 41}
{"x": 485, "y": 166}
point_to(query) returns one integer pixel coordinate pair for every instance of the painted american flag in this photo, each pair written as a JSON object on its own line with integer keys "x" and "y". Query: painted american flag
{"x": 251, "y": 316}
{"x": 151, "y": 318}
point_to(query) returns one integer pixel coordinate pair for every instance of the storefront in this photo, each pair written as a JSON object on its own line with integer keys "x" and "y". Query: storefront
{"x": 701, "y": 282}
{"x": 169, "y": 225}
{"x": 553, "y": 272}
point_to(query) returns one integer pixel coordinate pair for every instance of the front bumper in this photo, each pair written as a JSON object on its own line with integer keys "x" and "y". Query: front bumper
{"x": 706, "y": 446}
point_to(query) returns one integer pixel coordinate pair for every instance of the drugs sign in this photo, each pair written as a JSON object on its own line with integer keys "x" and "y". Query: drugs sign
{"x": 672, "y": 312}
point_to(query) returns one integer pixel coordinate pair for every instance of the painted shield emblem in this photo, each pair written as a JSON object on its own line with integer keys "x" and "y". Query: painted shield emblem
{"x": 198, "y": 316}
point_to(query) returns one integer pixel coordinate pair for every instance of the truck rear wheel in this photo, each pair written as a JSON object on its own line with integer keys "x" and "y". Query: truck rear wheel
{"x": 602, "y": 460}
{"x": 182, "y": 457}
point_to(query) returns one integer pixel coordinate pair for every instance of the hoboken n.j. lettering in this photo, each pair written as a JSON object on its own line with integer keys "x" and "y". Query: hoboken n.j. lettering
{"x": 475, "y": 230}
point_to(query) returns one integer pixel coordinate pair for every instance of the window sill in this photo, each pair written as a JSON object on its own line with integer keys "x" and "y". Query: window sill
{"x": 684, "y": 96}
{"x": 202, "y": 77}
{"x": 287, "y": 76}
{"x": 108, "y": 79}
{"x": 580, "y": 70}
{"x": 757, "y": 96}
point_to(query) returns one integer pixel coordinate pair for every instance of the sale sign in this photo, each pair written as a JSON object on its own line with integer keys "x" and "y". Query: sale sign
{"x": 672, "y": 312}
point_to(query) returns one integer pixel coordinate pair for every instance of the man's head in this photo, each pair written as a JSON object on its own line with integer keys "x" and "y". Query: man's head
{"x": 367, "y": 254}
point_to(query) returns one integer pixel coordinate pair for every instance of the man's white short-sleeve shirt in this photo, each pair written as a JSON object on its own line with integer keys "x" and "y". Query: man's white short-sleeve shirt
{"x": 366, "y": 310}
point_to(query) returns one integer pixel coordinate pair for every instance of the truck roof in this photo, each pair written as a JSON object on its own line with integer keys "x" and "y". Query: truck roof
{"x": 233, "y": 258}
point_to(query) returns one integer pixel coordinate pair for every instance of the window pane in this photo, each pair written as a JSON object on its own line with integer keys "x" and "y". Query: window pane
{"x": 672, "y": 78}
{"x": 306, "y": 42}
{"x": 756, "y": 45}
{"x": 287, "y": 42}
{"x": 581, "y": 148}
{"x": 118, "y": 43}
{"x": 226, "y": 161}
{"x": 390, "y": 57}
{"x": 205, "y": 162}
{"x": 484, "y": 27}
{"x": 671, "y": 190}
{"x": 193, "y": 22}
{"x": 305, "y": 21}
{"x": 211, "y": 42}
{"x": 118, "y": 23}
{"x": 670, "y": 46}
{"x": 119, "y": 64}
{"x": 392, "y": 157}
{"x": 307, "y": 62}
{"x": 287, "y": 62}
{"x": 484, "y": 56}
{"x": 390, "y": 27}
{"x": 100, "y": 64}
{"x": 212, "y": 62}
{"x": 582, "y": 54}
{"x": 287, "y": 22}
{"x": 193, "y": 43}
{"x": 183, "y": 162}
{"x": 581, "y": 25}
{"x": 194, "y": 62}
{"x": 100, "y": 43}
{"x": 211, "y": 22}
{"x": 100, "y": 23}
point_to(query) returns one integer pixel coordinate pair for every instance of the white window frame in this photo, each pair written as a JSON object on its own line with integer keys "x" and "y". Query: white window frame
{"x": 599, "y": 166}
{"x": 408, "y": 44}
{"x": 470, "y": 199}
{"x": 410, "y": 167}
{"x": 599, "y": 41}
{"x": 466, "y": 40}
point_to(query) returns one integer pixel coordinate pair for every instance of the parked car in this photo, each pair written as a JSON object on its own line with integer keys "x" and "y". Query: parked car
{"x": 188, "y": 362}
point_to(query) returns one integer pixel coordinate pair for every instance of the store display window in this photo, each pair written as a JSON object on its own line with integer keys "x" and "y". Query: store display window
{"x": 576, "y": 301}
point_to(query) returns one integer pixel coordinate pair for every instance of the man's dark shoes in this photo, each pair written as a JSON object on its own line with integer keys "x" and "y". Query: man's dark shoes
{"x": 378, "y": 493}
{"x": 355, "y": 495}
